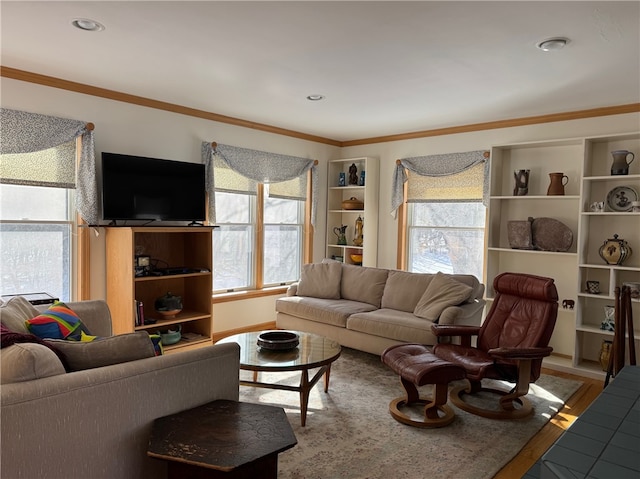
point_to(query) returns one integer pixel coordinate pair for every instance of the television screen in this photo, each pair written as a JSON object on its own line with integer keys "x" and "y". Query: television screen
{"x": 140, "y": 188}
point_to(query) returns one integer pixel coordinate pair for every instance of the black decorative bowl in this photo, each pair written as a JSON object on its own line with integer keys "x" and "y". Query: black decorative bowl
{"x": 278, "y": 340}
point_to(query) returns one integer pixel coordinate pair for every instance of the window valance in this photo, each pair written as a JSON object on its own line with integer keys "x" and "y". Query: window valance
{"x": 230, "y": 168}
{"x": 438, "y": 166}
{"x": 22, "y": 132}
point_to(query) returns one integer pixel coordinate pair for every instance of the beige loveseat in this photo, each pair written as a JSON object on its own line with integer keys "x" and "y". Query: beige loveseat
{"x": 371, "y": 309}
{"x": 95, "y": 423}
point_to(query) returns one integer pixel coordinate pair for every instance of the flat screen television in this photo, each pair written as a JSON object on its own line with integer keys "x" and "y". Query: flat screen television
{"x": 141, "y": 188}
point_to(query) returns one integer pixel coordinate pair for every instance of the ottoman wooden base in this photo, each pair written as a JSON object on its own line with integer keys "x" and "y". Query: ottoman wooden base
{"x": 417, "y": 366}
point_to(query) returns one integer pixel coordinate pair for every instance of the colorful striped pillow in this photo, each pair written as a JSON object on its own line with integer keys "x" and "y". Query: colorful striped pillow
{"x": 57, "y": 322}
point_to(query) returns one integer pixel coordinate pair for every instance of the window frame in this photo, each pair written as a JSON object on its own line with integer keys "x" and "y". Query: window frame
{"x": 79, "y": 286}
{"x": 260, "y": 289}
{"x": 402, "y": 261}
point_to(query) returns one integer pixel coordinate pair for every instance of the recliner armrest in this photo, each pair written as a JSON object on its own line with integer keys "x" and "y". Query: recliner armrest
{"x": 520, "y": 353}
{"x": 440, "y": 330}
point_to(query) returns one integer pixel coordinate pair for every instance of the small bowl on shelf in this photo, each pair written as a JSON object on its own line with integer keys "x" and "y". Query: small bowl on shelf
{"x": 170, "y": 336}
{"x": 169, "y": 314}
{"x": 356, "y": 258}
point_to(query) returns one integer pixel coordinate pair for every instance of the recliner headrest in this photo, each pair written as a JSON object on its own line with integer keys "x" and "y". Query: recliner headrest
{"x": 526, "y": 285}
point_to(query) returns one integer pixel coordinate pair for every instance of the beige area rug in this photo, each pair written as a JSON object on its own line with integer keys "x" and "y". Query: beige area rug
{"x": 350, "y": 433}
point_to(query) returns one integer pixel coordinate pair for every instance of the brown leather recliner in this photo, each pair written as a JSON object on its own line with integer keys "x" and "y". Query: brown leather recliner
{"x": 511, "y": 343}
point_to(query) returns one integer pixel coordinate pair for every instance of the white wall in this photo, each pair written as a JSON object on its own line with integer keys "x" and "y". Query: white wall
{"x": 136, "y": 130}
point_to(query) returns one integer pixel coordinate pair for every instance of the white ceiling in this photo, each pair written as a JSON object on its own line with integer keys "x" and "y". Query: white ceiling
{"x": 385, "y": 68}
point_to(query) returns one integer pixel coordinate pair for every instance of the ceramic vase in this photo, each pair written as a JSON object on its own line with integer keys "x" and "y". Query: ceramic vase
{"x": 340, "y": 232}
{"x": 615, "y": 250}
{"x": 621, "y": 162}
{"x": 521, "y": 178}
{"x": 557, "y": 183}
{"x": 605, "y": 353}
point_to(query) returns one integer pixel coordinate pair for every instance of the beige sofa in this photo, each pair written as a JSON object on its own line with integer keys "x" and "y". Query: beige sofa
{"x": 95, "y": 423}
{"x": 371, "y": 309}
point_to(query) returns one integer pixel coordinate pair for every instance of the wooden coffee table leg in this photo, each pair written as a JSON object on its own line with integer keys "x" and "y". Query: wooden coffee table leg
{"x": 305, "y": 388}
{"x": 326, "y": 378}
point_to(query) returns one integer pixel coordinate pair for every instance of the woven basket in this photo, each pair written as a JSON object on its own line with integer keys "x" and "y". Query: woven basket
{"x": 352, "y": 204}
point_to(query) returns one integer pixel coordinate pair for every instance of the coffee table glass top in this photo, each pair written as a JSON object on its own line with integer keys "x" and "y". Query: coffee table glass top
{"x": 312, "y": 351}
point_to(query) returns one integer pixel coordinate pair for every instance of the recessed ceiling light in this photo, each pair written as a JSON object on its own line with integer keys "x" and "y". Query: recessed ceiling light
{"x": 550, "y": 44}
{"x": 315, "y": 97}
{"x": 87, "y": 25}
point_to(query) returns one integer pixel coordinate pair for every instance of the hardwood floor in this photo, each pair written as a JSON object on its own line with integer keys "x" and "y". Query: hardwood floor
{"x": 538, "y": 444}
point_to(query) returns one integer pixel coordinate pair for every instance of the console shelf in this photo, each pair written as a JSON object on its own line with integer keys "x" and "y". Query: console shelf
{"x": 188, "y": 247}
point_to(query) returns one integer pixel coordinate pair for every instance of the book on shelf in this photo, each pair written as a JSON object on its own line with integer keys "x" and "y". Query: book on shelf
{"x": 138, "y": 312}
{"x": 189, "y": 337}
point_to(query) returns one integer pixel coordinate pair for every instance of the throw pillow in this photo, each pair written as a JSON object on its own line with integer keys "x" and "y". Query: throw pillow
{"x": 26, "y": 361}
{"x": 57, "y": 322}
{"x": 320, "y": 280}
{"x": 9, "y": 338}
{"x": 15, "y": 312}
{"x": 105, "y": 351}
{"x": 443, "y": 291}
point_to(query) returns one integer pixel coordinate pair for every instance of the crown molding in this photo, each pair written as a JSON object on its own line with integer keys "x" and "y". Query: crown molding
{"x": 54, "y": 82}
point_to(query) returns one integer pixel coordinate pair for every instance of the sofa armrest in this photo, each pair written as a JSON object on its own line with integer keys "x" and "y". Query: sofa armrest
{"x": 469, "y": 314}
{"x": 108, "y": 413}
{"x": 95, "y": 315}
{"x": 292, "y": 290}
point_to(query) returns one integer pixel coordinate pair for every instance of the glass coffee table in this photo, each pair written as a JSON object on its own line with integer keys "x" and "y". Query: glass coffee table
{"x": 312, "y": 352}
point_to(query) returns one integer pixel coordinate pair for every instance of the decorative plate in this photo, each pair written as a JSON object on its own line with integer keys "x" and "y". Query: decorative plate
{"x": 278, "y": 340}
{"x": 620, "y": 198}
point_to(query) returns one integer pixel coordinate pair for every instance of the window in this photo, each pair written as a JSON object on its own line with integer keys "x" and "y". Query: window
{"x": 445, "y": 223}
{"x": 283, "y": 239}
{"x": 36, "y": 225}
{"x": 260, "y": 235}
{"x": 447, "y": 237}
{"x": 234, "y": 242}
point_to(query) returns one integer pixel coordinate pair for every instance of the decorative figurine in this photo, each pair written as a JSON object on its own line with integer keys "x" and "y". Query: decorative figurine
{"x": 357, "y": 241}
{"x": 353, "y": 174}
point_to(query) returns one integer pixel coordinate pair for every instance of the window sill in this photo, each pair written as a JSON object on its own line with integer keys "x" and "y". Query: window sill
{"x": 241, "y": 295}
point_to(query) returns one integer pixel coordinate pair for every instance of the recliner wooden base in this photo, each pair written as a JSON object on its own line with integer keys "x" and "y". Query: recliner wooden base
{"x": 436, "y": 411}
{"x": 507, "y": 400}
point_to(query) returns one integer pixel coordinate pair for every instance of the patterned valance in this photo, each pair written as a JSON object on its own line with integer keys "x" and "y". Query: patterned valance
{"x": 261, "y": 167}
{"x": 438, "y": 165}
{"x": 22, "y": 132}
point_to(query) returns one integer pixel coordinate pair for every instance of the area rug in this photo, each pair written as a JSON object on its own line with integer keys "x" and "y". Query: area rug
{"x": 350, "y": 434}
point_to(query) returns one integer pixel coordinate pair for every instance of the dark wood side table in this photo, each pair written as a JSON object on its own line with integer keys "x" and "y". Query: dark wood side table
{"x": 222, "y": 439}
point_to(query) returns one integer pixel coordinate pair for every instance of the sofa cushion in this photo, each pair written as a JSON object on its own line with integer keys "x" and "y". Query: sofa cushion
{"x": 105, "y": 351}
{"x": 328, "y": 311}
{"x": 57, "y": 322}
{"x": 363, "y": 284}
{"x": 15, "y": 312}
{"x": 320, "y": 280}
{"x": 443, "y": 291}
{"x": 393, "y": 324}
{"x": 28, "y": 361}
{"x": 403, "y": 290}
{"x": 470, "y": 280}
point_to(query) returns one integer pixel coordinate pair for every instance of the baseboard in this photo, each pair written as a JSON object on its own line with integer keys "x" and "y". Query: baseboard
{"x": 254, "y": 327}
